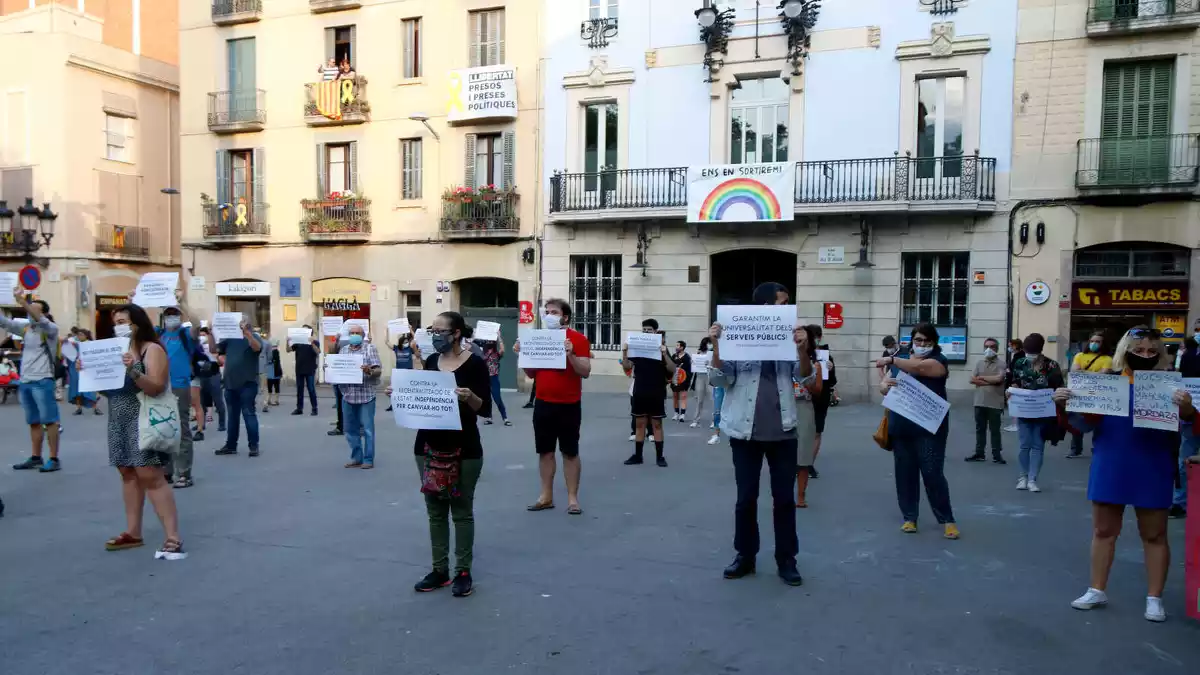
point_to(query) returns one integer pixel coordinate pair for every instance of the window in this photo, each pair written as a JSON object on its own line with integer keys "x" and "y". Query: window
{"x": 600, "y": 143}
{"x": 241, "y": 176}
{"x": 489, "y": 161}
{"x": 412, "y": 309}
{"x": 1118, "y": 261}
{"x": 934, "y": 288}
{"x": 1135, "y": 122}
{"x": 410, "y": 168}
{"x": 341, "y": 44}
{"x": 602, "y": 9}
{"x": 411, "y": 44}
{"x": 940, "y": 126}
{"x": 487, "y": 38}
{"x": 596, "y": 299}
{"x": 337, "y": 167}
{"x": 118, "y": 133}
{"x": 758, "y": 127}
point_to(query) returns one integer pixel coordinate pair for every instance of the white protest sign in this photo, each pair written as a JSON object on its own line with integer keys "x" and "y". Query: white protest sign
{"x": 425, "y": 399}
{"x": 8, "y": 284}
{"x": 331, "y": 325}
{"x": 156, "y": 289}
{"x": 1152, "y": 405}
{"x": 424, "y": 341}
{"x": 488, "y": 331}
{"x": 227, "y": 326}
{"x": 543, "y": 348}
{"x": 701, "y": 361}
{"x": 823, "y": 358}
{"x": 1098, "y": 394}
{"x": 102, "y": 369}
{"x": 742, "y": 193}
{"x": 343, "y": 369}
{"x": 69, "y": 351}
{"x": 644, "y": 345}
{"x": 916, "y": 402}
{"x": 299, "y": 336}
{"x": 757, "y": 332}
{"x": 365, "y": 323}
{"x": 1031, "y": 403}
{"x": 1192, "y": 384}
{"x": 398, "y": 327}
{"x": 483, "y": 92}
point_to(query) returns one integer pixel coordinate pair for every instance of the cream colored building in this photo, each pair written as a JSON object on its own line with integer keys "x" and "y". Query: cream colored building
{"x": 89, "y": 125}
{"x": 305, "y": 198}
{"x": 1106, "y": 162}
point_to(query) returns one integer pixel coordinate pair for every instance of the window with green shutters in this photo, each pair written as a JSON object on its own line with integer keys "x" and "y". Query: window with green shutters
{"x": 1135, "y": 122}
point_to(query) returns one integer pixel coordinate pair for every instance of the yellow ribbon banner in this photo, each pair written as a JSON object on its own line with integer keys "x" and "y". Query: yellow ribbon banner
{"x": 347, "y": 91}
{"x": 241, "y": 216}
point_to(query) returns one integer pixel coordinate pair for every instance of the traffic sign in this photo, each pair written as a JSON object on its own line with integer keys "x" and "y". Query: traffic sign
{"x": 30, "y": 276}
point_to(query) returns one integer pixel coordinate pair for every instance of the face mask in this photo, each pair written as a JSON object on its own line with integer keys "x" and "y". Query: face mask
{"x": 1141, "y": 362}
{"x": 356, "y": 339}
{"x": 123, "y": 330}
{"x": 441, "y": 343}
{"x": 1093, "y": 346}
{"x": 922, "y": 351}
{"x": 172, "y": 322}
{"x": 989, "y": 353}
{"x": 551, "y": 321}
{"x": 1033, "y": 355}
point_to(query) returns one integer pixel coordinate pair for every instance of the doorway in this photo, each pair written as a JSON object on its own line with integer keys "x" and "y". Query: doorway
{"x": 493, "y": 299}
{"x": 736, "y": 273}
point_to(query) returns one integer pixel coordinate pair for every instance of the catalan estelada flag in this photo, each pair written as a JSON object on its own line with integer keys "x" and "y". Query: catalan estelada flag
{"x": 328, "y": 97}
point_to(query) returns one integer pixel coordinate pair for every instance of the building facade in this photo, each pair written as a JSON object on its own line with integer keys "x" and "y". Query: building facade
{"x": 89, "y": 125}
{"x": 399, "y": 181}
{"x": 1106, "y": 163}
{"x": 896, "y": 116}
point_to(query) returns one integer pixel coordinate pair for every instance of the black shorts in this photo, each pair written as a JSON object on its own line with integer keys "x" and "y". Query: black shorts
{"x": 556, "y": 424}
{"x": 820, "y": 410}
{"x": 273, "y": 386}
{"x": 648, "y": 404}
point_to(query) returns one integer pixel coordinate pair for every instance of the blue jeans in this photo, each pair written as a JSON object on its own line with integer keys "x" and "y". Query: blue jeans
{"x": 1190, "y": 446}
{"x": 496, "y": 397}
{"x": 240, "y": 401}
{"x": 309, "y": 382}
{"x": 37, "y": 398}
{"x": 718, "y": 399}
{"x": 1029, "y": 432}
{"x": 360, "y": 419}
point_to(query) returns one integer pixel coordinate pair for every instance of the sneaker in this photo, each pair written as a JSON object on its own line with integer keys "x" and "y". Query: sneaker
{"x": 632, "y": 437}
{"x": 661, "y": 461}
{"x": 1094, "y": 598}
{"x": 50, "y": 466}
{"x": 487, "y": 422}
{"x": 254, "y": 451}
{"x": 998, "y": 460}
{"x": 790, "y": 575}
{"x": 221, "y": 429}
{"x": 1022, "y": 483}
{"x": 198, "y": 436}
{"x": 334, "y": 432}
{"x": 527, "y": 406}
{"x": 78, "y": 411}
{"x": 740, "y": 567}
{"x": 909, "y": 527}
{"x": 225, "y": 450}
{"x": 694, "y": 425}
{"x": 1072, "y": 455}
{"x": 712, "y": 425}
{"x": 976, "y": 458}
{"x": 208, "y": 417}
{"x": 297, "y": 411}
{"x": 1011, "y": 427}
{"x": 432, "y": 581}
{"x": 1032, "y": 486}
{"x": 31, "y": 463}
{"x": 683, "y": 417}
{"x": 812, "y": 472}
{"x": 634, "y": 459}
{"x": 266, "y": 409}
{"x": 1177, "y": 511}
{"x": 1154, "y": 609}
{"x": 313, "y": 413}
{"x": 716, "y": 438}
{"x": 951, "y": 531}
{"x": 462, "y": 586}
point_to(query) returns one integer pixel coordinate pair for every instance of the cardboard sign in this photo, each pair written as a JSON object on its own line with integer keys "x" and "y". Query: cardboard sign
{"x": 757, "y": 332}
{"x": 543, "y": 348}
{"x": 425, "y": 399}
{"x": 157, "y": 289}
{"x": 487, "y": 331}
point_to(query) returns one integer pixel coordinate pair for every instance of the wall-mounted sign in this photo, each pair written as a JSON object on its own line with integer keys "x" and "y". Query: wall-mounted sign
{"x": 833, "y": 315}
{"x": 831, "y": 255}
{"x": 741, "y": 193}
{"x": 1170, "y": 325}
{"x": 489, "y": 92}
{"x": 111, "y": 301}
{"x": 30, "y": 276}
{"x": 243, "y": 288}
{"x": 526, "y": 312}
{"x": 980, "y": 277}
{"x": 1130, "y": 294}
{"x": 342, "y": 304}
{"x": 1037, "y": 292}
{"x": 197, "y": 284}
{"x": 341, "y": 289}
{"x": 289, "y": 287}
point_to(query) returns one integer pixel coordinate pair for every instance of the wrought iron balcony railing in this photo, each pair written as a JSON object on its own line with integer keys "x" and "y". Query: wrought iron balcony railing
{"x": 336, "y": 102}
{"x": 335, "y": 219}
{"x": 598, "y": 31}
{"x": 123, "y": 240}
{"x": 237, "y": 111}
{"x": 480, "y": 215}
{"x": 1138, "y": 162}
{"x": 900, "y": 179}
{"x": 1126, "y": 10}
{"x": 237, "y": 221}
{"x": 230, "y": 12}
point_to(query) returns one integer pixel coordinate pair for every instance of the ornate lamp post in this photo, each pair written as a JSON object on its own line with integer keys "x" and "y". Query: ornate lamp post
{"x": 798, "y": 18}
{"x": 715, "y": 28}
{"x": 31, "y": 223}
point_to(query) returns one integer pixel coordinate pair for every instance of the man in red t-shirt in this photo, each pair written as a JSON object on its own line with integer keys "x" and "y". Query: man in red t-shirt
{"x": 557, "y": 412}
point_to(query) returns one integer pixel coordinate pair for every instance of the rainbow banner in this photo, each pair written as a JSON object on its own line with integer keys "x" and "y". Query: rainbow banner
{"x": 742, "y": 193}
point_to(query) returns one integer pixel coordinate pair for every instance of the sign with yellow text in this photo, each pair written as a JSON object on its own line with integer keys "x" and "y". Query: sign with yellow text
{"x": 1130, "y": 294}
{"x": 489, "y": 92}
{"x": 1170, "y": 325}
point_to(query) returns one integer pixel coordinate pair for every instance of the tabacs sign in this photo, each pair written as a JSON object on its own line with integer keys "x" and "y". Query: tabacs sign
{"x": 1130, "y": 294}
{"x": 489, "y": 92}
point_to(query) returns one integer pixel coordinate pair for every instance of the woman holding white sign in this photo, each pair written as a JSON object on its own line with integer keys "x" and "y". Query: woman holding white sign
{"x": 918, "y": 453}
{"x": 1131, "y": 466}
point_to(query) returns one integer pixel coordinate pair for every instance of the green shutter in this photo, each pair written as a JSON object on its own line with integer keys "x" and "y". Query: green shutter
{"x": 469, "y": 160}
{"x": 223, "y": 171}
{"x": 322, "y": 190}
{"x": 1135, "y": 123}
{"x": 354, "y": 168}
{"x": 259, "y": 174}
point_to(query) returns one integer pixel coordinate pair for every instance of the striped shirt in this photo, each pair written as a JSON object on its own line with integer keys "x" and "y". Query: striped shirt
{"x": 330, "y": 73}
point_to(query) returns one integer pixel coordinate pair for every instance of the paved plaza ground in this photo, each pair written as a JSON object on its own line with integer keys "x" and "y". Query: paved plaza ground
{"x": 300, "y": 567}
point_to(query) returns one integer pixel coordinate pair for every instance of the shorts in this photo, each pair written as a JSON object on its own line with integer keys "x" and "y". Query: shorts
{"x": 37, "y": 398}
{"x": 652, "y": 405}
{"x": 195, "y": 383}
{"x": 556, "y": 424}
{"x": 273, "y": 386}
{"x": 820, "y": 410}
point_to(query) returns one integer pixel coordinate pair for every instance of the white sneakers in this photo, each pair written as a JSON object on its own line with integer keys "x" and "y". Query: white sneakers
{"x": 694, "y": 425}
{"x": 1095, "y": 598}
{"x": 1022, "y": 483}
{"x": 1032, "y": 486}
{"x": 716, "y": 438}
{"x": 712, "y": 425}
{"x": 632, "y": 437}
{"x": 1154, "y": 609}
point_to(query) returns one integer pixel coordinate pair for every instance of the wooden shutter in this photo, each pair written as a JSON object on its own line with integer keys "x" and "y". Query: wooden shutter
{"x": 476, "y": 39}
{"x": 353, "y": 48}
{"x": 1135, "y": 122}
{"x": 510, "y": 151}
{"x": 497, "y": 40}
{"x": 259, "y": 169}
{"x": 223, "y": 171}
{"x": 354, "y": 168}
{"x": 406, "y": 52}
{"x": 322, "y": 179}
{"x": 330, "y": 45}
{"x": 469, "y": 142}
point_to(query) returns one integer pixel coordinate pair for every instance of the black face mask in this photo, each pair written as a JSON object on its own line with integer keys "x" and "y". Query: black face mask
{"x": 1136, "y": 362}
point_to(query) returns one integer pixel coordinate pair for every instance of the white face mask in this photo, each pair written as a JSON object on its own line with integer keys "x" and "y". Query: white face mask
{"x": 922, "y": 351}
{"x": 989, "y": 353}
{"x": 552, "y": 321}
{"x": 122, "y": 330}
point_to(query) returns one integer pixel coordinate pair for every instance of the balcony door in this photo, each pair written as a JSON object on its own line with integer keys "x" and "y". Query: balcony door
{"x": 243, "y": 86}
{"x": 600, "y": 158}
{"x": 940, "y": 113}
{"x": 758, "y": 121}
{"x": 1135, "y": 123}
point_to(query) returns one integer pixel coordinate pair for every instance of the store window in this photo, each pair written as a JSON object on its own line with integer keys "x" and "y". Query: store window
{"x": 758, "y": 126}
{"x": 595, "y": 297}
{"x": 1121, "y": 262}
{"x": 934, "y": 288}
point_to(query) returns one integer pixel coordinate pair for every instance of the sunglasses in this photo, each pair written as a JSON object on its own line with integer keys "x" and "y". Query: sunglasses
{"x": 1140, "y": 333}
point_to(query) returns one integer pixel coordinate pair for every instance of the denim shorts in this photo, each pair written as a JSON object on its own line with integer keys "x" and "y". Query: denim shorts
{"x": 37, "y": 398}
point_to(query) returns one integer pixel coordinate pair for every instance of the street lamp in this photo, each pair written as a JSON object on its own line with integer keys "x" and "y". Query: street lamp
{"x": 792, "y": 8}
{"x": 706, "y": 15}
{"x": 24, "y": 234}
{"x": 424, "y": 119}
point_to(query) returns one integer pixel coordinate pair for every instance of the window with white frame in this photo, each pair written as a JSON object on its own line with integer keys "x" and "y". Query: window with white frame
{"x": 118, "y": 137}
{"x": 489, "y": 161}
{"x": 758, "y": 121}
{"x": 410, "y": 39}
{"x": 940, "y": 113}
{"x": 595, "y": 297}
{"x": 934, "y": 288}
{"x": 410, "y": 170}
{"x": 337, "y": 167}
{"x": 602, "y": 9}
{"x": 487, "y": 38}
{"x": 600, "y": 143}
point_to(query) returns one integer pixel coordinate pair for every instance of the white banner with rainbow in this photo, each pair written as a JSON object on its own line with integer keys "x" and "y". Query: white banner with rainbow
{"x": 742, "y": 193}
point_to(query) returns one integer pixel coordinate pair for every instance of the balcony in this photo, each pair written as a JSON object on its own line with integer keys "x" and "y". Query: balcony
{"x": 335, "y": 220}
{"x": 322, "y": 6}
{"x": 336, "y": 103}
{"x": 467, "y": 214}
{"x": 598, "y": 31}
{"x": 232, "y": 12}
{"x": 240, "y": 224}
{"x": 962, "y": 184}
{"x": 1138, "y": 165}
{"x": 1127, "y": 17}
{"x": 232, "y": 112}
{"x": 122, "y": 241}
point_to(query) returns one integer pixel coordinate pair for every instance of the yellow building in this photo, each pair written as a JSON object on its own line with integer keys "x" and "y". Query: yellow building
{"x": 89, "y": 125}
{"x": 400, "y": 184}
{"x": 1106, "y": 163}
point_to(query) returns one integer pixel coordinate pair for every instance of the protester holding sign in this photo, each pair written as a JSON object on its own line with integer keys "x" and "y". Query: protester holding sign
{"x": 403, "y": 349}
{"x": 492, "y": 346}
{"x": 358, "y": 400}
{"x": 450, "y": 462}
{"x": 1035, "y": 371}
{"x": 1134, "y": 466}
{"x": 1189, "y": 368}
{"x": 81, "y": 399}
{"x": 240, "y": 360}
{"x": 1095, "y": 360}
{"x": 700, "y": 387}
{"x": 39, "y": 339}
{"x": 650, "y": 378}
{"x": 920, "y": 453}
{"x": 306, "y": 370}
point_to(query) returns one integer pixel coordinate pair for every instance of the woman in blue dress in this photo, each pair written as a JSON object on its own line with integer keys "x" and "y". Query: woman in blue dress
{"x": 1131, "y": 466}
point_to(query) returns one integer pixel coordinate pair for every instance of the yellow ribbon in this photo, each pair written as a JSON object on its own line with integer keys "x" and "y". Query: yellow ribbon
{"x": 456, "y": 104}
{"x": 241, "y": 215}
{"x": 347, "y": 91}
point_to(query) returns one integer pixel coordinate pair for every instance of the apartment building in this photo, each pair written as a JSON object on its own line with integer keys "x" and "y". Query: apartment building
{"x": 1106, "y": 162}
{"x": 889, "y": 120}
{"x": 369, "y": 159}
{"x": 88, "y": 126}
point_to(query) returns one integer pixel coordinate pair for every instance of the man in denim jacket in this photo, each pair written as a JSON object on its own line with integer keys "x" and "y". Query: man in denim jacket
{"x": 759, "y": 416}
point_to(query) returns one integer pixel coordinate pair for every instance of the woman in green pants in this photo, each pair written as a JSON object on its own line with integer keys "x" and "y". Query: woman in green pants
{"x": 450, "y": 461}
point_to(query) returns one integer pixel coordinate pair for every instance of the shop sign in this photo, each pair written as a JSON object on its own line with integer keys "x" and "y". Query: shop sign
{"x": 342, "y": 305}
{"x": 111, "y": 301}
{"x": 1170, "y": 325}
{"x": 289, "y": 287}
{"x": 1037, "y": 292}
{"x": 1130, "y": 294}
{"x": 489, "y": 92}
{"x": 243, "y": 288}
{"x": 340, "y": 289}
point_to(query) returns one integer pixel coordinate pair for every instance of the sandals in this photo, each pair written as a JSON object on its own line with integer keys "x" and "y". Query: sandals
{"x": 540, "y": 506}
{"x": 183, "y": 482}
{"x": 575, "y": 510}
{"x": 172, "y": 549}
{"x": 123, "y": 541}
